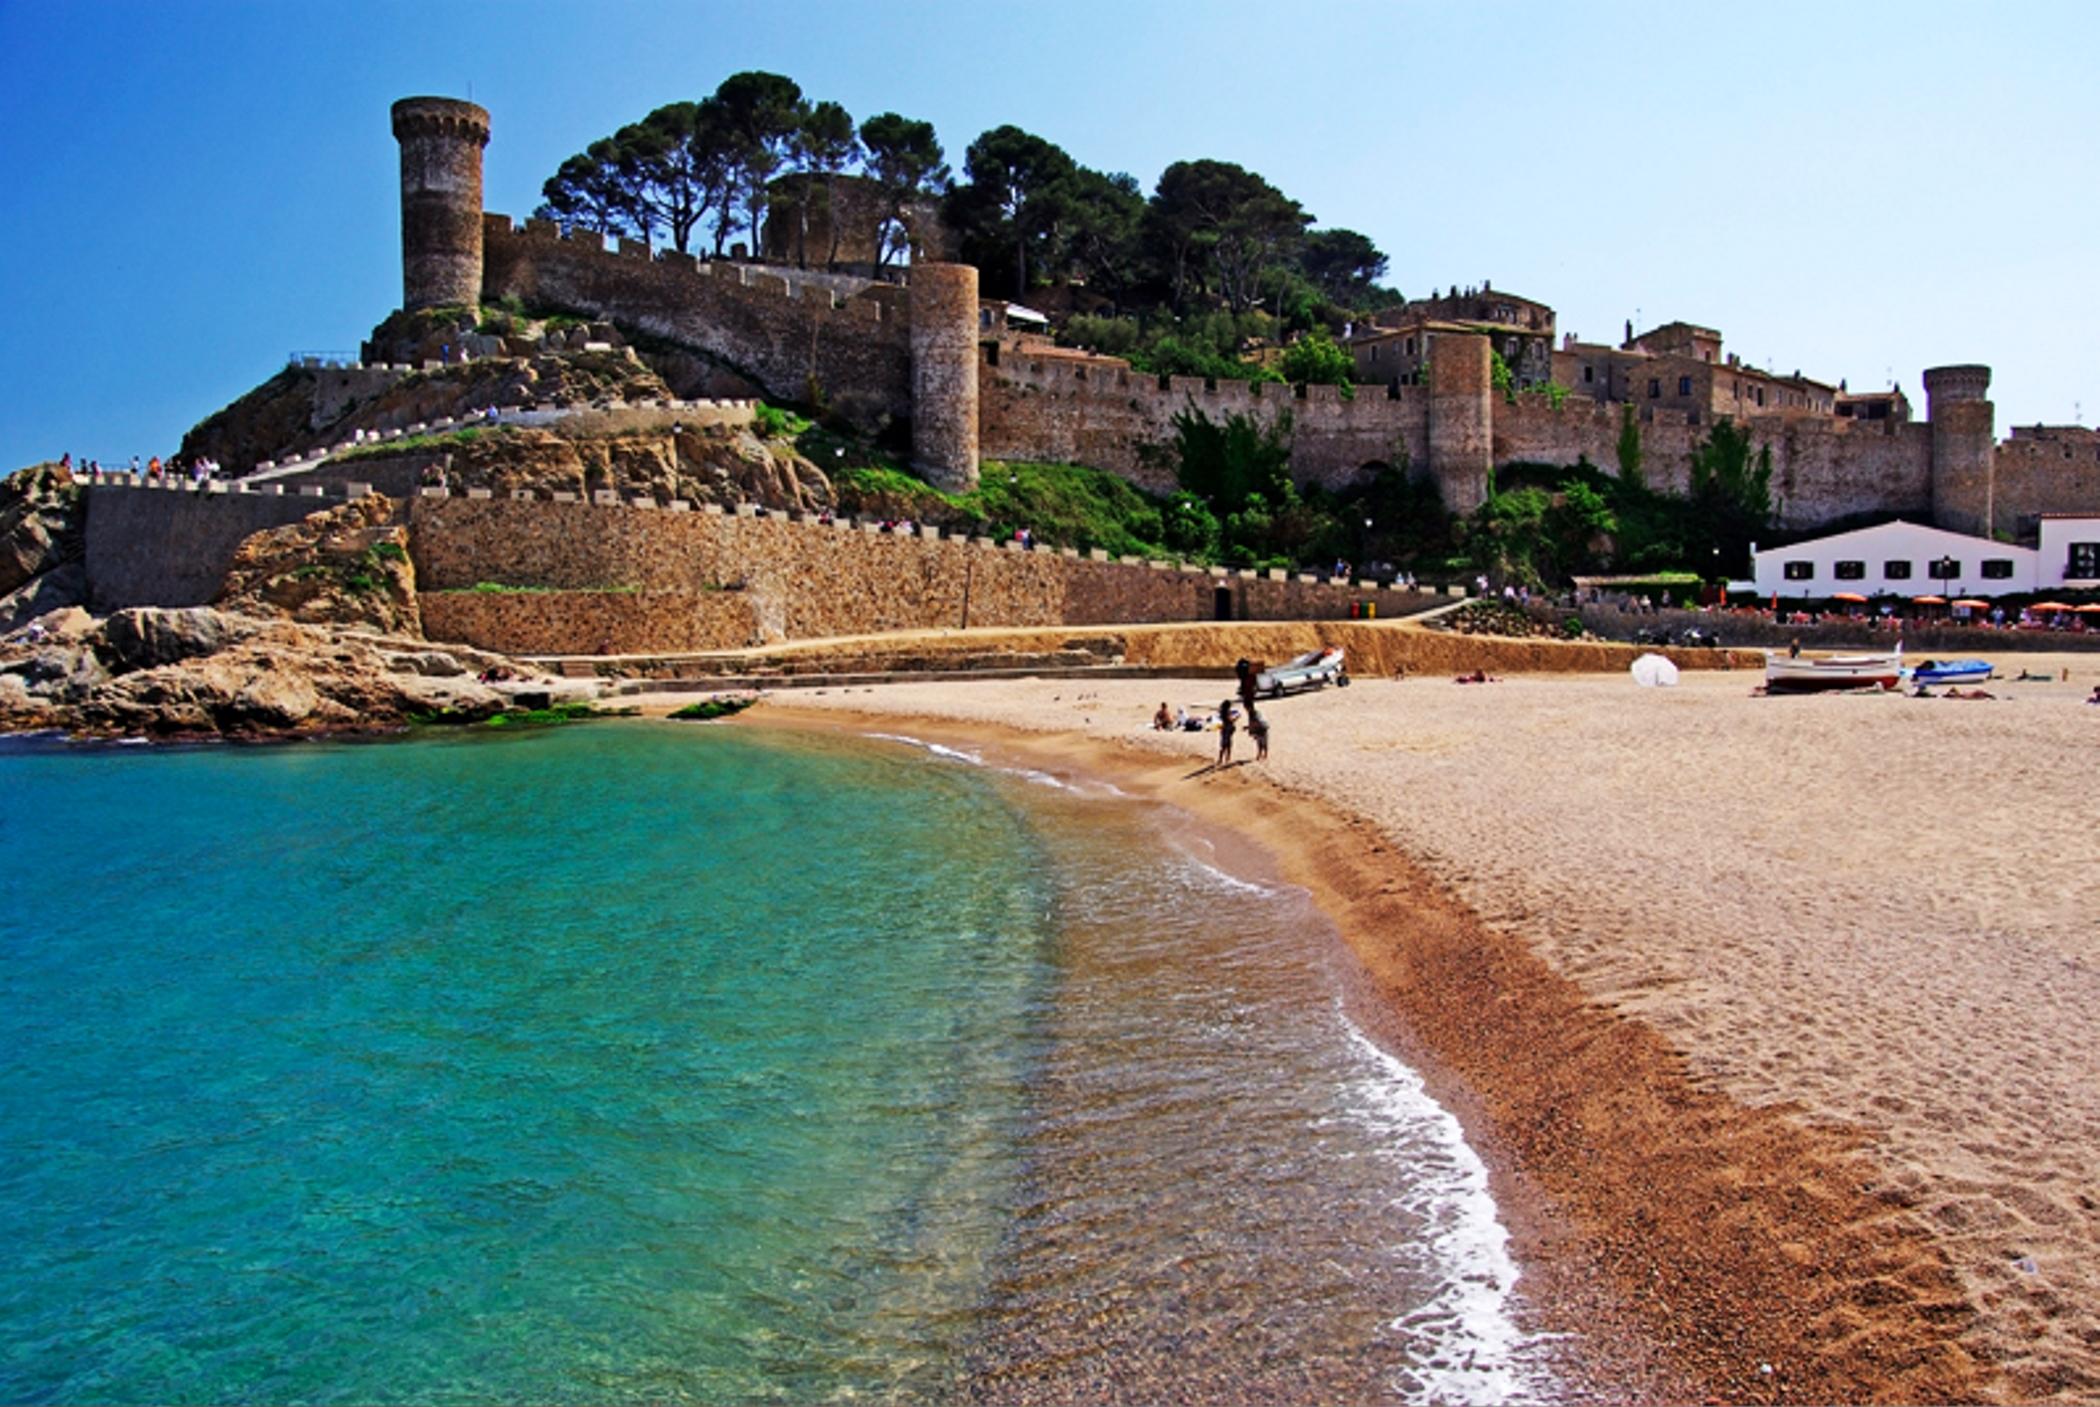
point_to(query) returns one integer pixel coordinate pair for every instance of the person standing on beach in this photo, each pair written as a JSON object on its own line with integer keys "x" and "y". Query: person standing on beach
{"x": 1248, "y": 673}
{"x": 1258, "y": 729}
{"x": 1227, "y": 725}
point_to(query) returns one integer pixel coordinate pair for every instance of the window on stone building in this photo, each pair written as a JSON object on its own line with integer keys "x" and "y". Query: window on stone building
{"x": 1800, "y": 571}
{"x": 1589, "y": 373}
{"x": 1760, "y": 395}
{"x": 1374, "y": 351}
{"x": 1895, "y": 571}
{"x": 1410, "y": 346}
{"x": 1655, "y": 387}
{"x": 1850, "y": 571}
{"x": 1998, "y": 568}
{"x": 1684, "y": 385}
{"x": 2083, "y": 563}
{"x": 1945, "y": 569}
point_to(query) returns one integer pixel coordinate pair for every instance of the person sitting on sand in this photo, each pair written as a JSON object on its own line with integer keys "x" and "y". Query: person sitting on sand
{"x": 1162, "y": 721}
{"x": 1477, "y": 677}
{"x": 1227, "y": 714}
{"x": 2095, "y": 699}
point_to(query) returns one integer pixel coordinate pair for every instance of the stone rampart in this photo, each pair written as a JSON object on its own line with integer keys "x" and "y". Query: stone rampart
{"x": 618, "y": 573}
{"x": 590, "y": 622}
{"x": 2053, "y": 469}
{"x": 781, "y": 332}
{"x": 1821, "y": 468}
{"x": 1101, "y": 412}
{"x": 151, "y": 546}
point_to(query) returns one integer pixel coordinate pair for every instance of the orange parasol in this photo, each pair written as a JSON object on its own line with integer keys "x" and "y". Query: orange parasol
{"x": 2090, "y": 609}
{"x": 1929, "y": 601}
{"x": 1970, "y": 603}
{"x": 2049, "y": 606}
{"x": 1856, "y": 598}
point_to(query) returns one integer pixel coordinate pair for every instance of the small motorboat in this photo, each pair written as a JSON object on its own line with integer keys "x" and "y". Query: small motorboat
{"x": 1309, "y": 671}
{"x": 1785, "y": 674}
{"x": 1951, "y": 672}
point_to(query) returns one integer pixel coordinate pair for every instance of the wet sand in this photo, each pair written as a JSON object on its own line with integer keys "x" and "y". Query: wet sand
{"x": 1774, "y": 1017}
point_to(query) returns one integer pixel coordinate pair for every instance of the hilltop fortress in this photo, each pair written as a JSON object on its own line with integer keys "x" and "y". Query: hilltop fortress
{"x": 967, "y": 381}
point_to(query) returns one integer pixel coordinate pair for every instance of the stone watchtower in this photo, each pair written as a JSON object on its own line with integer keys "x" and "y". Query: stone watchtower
{"x": 1963, "y": 437}
{"x": 441, "y": 141}
{"x": 1461, "y": 417}
{"x": 944, "y": 374}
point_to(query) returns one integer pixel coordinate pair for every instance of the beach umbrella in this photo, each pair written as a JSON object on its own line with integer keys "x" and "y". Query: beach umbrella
{"x": 2090, "y": 609}
{"x": 1930, "y": 601}
{"x": 1970, "y": 604}
{"x": 1654, "y": 672}
{"x": 2049, "y": 606}
{"x": 1852, "y": 596}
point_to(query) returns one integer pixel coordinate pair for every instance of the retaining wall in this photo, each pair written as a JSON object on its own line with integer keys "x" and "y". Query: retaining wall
{"x": 149, "y": 546}
{"x": 749, "y": 580}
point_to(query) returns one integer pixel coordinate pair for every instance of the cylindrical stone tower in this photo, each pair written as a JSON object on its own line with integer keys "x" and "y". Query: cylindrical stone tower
{"x": 1461, "y": 417}
{"x": 441, "y": 141}
{"x": 1964, "y": 438}
{"x": 944, "y": 374}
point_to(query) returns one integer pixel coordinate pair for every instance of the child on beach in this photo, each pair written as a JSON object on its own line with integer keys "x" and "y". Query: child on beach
{"x": 1227, "y": 724}
{"x": 1258, "y": 729}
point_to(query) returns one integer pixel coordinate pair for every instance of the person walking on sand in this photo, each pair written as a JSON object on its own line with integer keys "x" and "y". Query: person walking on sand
{"x": 1227, "y": 725}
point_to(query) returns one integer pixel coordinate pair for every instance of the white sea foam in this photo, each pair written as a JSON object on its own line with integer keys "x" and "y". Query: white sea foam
{"x": 1465, "y": 1344}
{"x": 952, "y": 754}
{"x": 1026, "y": 774}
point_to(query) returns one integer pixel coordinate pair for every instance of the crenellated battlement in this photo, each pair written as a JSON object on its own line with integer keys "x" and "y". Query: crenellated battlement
{"x": 884, "y": 357}
{"x": 723, "y": 277}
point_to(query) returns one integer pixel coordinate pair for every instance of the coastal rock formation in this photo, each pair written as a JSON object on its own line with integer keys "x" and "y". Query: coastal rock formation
{"x": 347, "y": 566}
{"x": 201, "y": 671}
{"x": 41, "y": 540}
{"x": 702, "y": 464}
{"x": 307, "y": 407}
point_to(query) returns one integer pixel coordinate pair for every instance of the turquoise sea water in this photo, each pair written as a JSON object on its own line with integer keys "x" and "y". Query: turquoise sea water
{"x": 657, "y": 1062}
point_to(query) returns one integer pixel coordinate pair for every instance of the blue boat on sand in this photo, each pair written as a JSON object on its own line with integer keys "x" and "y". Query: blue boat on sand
{"x": 1951, "y": 672}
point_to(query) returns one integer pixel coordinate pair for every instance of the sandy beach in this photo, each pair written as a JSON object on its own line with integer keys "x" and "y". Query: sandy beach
{"x": 1774, "y": 1017}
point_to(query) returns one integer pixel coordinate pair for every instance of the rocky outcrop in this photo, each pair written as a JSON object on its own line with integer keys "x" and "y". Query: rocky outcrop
{"x": 304, "y": 408}
{"x": 347, "y": 566}
{"x": 41, "y": 540}
{"x": 207, "y": 672}
{"x": 707, "y": 464}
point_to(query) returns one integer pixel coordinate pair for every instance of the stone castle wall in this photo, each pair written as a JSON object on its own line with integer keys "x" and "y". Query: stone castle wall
{"x": 2053, "y": 469}
{"x": 780, "y": 331}
{"x": 633, "y": 579}
{"x": 1822, "y": 469}
{"x": 1100, "y": 413}
{"x": 151, "y": 546}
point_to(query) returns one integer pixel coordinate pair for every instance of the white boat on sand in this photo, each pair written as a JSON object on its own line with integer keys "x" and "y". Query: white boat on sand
{"x": 1787, "y": 674}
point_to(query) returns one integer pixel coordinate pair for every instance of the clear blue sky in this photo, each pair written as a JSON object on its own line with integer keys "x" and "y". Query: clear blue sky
{"x": 1856, "y": 190}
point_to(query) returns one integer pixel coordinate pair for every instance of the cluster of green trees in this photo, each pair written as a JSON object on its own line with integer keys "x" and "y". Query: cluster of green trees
{"x": 1543, "y": 524}
{"x": 1212, "y": 238}
{"x": 1540, "y": 524}
{"x": 705, "y": 170}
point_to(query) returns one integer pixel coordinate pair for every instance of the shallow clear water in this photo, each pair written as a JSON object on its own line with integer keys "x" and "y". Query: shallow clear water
{"x": 650, "y": 1061}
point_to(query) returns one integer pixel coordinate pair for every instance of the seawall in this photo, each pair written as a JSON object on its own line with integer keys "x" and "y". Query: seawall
{"x": 626, "y": 578}
{"x": 150, "y": 546}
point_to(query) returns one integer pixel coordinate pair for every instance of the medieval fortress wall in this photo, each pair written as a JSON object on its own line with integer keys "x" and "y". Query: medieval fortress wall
{"x": 615, "y": 575}
{"x": 929, "y": 357}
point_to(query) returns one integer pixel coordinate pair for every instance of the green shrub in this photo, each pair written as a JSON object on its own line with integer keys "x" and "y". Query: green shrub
{"x": 773, "y": 423}
{"x": 708, "y": 709}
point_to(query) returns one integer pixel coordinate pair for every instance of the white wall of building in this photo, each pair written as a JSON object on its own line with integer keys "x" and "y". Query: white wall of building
{"x": 1871, "y": 559}
{"x": 2061, "y": 563}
